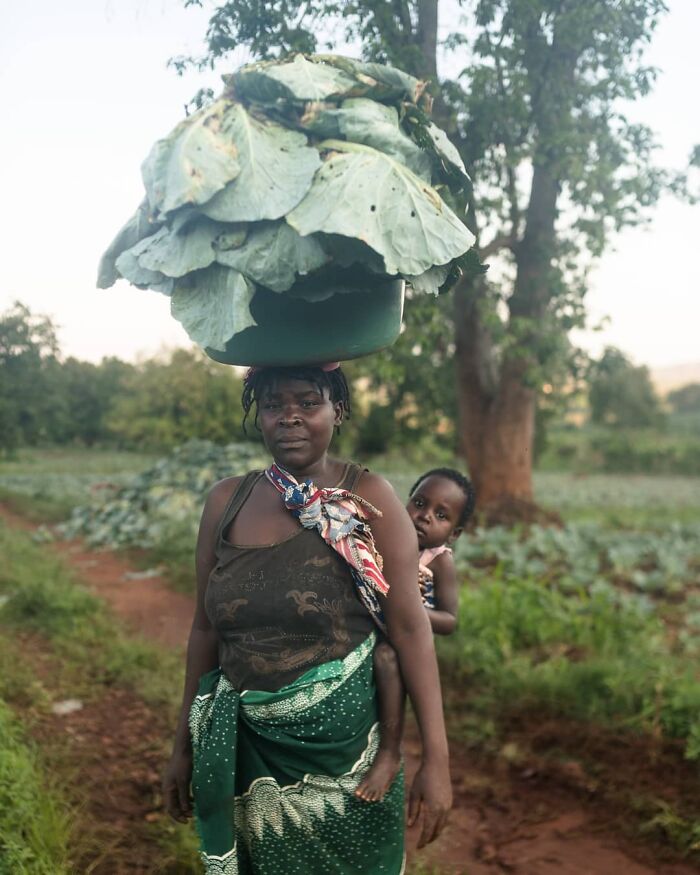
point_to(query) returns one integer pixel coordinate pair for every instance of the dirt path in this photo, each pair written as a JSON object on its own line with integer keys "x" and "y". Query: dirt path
{"x": 504, "y": 820}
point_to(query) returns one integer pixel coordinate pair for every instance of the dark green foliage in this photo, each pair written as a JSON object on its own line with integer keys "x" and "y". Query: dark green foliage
{"x": 621, "y": 394}
{"x": 536, "y": 110}
{"x": 623, "y": 450}
{"x": 686, "y": 399}
{"x": 166, "y": 402}
{"x": 29, "y": 409}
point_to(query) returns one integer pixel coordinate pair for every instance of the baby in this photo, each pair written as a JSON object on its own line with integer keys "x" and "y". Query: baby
{"x": 440, "y": 503}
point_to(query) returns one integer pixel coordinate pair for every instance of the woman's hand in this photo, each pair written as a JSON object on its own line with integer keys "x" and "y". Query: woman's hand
{"x": 176, "y": 787}
{"x": 431, "y": 796}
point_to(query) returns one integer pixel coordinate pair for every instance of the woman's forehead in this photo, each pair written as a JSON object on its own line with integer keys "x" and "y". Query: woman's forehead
{"x": 293, "y": 386}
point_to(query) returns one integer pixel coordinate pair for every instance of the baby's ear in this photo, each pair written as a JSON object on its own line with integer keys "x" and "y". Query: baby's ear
{"x": 456, "y": 532}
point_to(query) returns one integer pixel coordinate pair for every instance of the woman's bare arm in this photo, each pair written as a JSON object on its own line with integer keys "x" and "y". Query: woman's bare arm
{"x": 443, "y": 619}
{"x": 202, "y": 654}
{"x": 410, "y": 633}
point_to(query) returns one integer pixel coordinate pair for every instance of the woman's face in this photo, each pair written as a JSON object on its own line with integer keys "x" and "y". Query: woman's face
{"x": 297, "y": 422}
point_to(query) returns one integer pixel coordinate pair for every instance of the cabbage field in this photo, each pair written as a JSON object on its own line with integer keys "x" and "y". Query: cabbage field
{"x": 597, "y": 618}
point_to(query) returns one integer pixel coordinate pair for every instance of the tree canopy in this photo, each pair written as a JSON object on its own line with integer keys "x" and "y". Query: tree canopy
{"x": 621, "y": 394}
{"x": 534, "y": 95}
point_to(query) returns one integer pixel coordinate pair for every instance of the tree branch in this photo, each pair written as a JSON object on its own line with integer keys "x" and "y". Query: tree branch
{"x": 500, "y": 241}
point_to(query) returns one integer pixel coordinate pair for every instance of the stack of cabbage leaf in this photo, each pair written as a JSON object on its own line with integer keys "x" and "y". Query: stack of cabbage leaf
{"x": 303, "y": 168}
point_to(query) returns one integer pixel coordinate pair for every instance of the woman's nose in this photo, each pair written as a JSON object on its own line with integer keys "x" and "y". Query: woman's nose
{"x": 290, "y": 417}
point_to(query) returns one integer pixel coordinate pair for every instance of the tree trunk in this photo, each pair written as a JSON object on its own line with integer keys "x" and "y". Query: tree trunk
{"x": 496, "y": 413}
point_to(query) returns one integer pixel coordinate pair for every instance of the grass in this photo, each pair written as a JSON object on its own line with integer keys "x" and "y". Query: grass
{"x": 532, "y": 638}
{"x": 585, "y": 656}
{"x": 45, "y": 484}
{"x": 38, "y": 595}
{"x": 35, "y": 826}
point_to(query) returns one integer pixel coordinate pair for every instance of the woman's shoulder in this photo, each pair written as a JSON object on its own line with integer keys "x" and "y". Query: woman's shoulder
{"x": 223, "y": 491}
{"x": 375, "y": 489}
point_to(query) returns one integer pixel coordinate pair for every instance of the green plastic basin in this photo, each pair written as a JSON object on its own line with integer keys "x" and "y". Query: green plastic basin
{"x": 364, "y": 318}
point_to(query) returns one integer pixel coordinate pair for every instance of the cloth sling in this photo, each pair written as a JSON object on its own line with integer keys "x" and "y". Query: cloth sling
{"x": 340, "y": 518}
{"x": 275, "y": 773}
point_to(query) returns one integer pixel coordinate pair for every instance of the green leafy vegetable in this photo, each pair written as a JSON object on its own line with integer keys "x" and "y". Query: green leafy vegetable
{"x": 311, "y": 176}
{"x": 366, "y": 194}
{"x": 273, "y": 256}
{"x": 372, "y": 124}
{"x": 175, "y": 253}
{"x": 277, "y": 167}
{"x": 131, "y": 269}
{"x": 212, "y": 305}
{"x": 298, "y": 79}
{"x": 194, "y": 161}
{"x": 140, "y": 225}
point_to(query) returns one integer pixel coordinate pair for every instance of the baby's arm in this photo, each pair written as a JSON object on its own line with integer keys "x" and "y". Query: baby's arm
{"x": 443, "y": 618}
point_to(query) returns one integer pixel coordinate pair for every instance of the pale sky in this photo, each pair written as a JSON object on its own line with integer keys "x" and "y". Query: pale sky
{"x": 86, "y": 92}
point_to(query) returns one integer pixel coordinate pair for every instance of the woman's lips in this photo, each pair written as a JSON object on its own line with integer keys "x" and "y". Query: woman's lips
{"x": 290, "y": 443}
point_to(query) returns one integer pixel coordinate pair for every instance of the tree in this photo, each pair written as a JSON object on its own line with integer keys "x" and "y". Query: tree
{"x": 621, "y": 394}
{"x": 88, "y": 392}
{"x": 29, "y": 409}
{"x": 536, "y": 114}
{"x": 685, "y": 400}
{"x": 166, "y": 402}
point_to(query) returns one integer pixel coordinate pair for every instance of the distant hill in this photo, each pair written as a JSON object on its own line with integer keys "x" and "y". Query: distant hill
{"x": 674, "y": 376}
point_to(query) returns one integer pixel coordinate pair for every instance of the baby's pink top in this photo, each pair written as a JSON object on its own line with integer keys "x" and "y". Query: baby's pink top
{"x": 426, "y": 556}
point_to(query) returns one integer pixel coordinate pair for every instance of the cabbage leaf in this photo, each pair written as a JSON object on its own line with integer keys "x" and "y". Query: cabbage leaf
{"x": 297, "y": 79}
{"x": 131, "y": 269}
{"x": 276, "y": 171}
{"x": 366, "y": 194}
{"x": 197, "y": 159}
{"x": 372, "y": 124}
{"x": 212, "y": 305}
{"x": 139, "y": 226}
{"x": 175, "y": 253}
{"x": 274, "y": 254}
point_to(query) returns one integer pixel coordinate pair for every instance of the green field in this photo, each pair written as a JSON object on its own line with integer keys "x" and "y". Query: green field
{"x": 594, "y": 622}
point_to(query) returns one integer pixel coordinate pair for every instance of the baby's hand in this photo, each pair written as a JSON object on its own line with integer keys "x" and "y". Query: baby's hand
{"x": 424, "y": 576}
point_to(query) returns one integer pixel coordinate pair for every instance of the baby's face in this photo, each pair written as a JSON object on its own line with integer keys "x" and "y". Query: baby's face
{"x": 435, "y": 508}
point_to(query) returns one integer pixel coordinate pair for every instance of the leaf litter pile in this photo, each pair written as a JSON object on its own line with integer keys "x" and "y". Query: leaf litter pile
{"x": 316, "y": 167}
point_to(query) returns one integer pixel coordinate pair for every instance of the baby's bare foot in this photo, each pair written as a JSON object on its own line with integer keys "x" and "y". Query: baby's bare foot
{"x": 380, "y": 776}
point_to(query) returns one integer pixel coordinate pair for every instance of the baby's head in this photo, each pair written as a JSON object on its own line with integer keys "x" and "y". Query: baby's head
{"x": 440, "y": 503}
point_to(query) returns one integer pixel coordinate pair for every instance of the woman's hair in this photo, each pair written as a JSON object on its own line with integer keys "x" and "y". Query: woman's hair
{"x": 456, "y": 477}
{"x": 259, "y": 380}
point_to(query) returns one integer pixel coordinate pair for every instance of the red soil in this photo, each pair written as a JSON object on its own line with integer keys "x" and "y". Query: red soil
{"x": 524, "y": 821}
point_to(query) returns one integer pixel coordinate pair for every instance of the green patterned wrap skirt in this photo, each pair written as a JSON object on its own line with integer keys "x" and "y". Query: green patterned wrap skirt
{"x": 275, "y": 773}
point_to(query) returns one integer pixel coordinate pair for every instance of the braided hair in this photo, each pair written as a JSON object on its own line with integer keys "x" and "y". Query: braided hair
{"x": 259, "y": 380}
{"x": 456, "y": 477}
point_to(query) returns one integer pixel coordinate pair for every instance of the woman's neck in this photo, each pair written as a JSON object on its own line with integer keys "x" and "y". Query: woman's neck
{"x": 320, "y": 471}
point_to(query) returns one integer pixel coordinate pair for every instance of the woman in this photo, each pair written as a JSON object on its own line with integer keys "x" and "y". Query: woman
{"x": 283, "y": 726}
